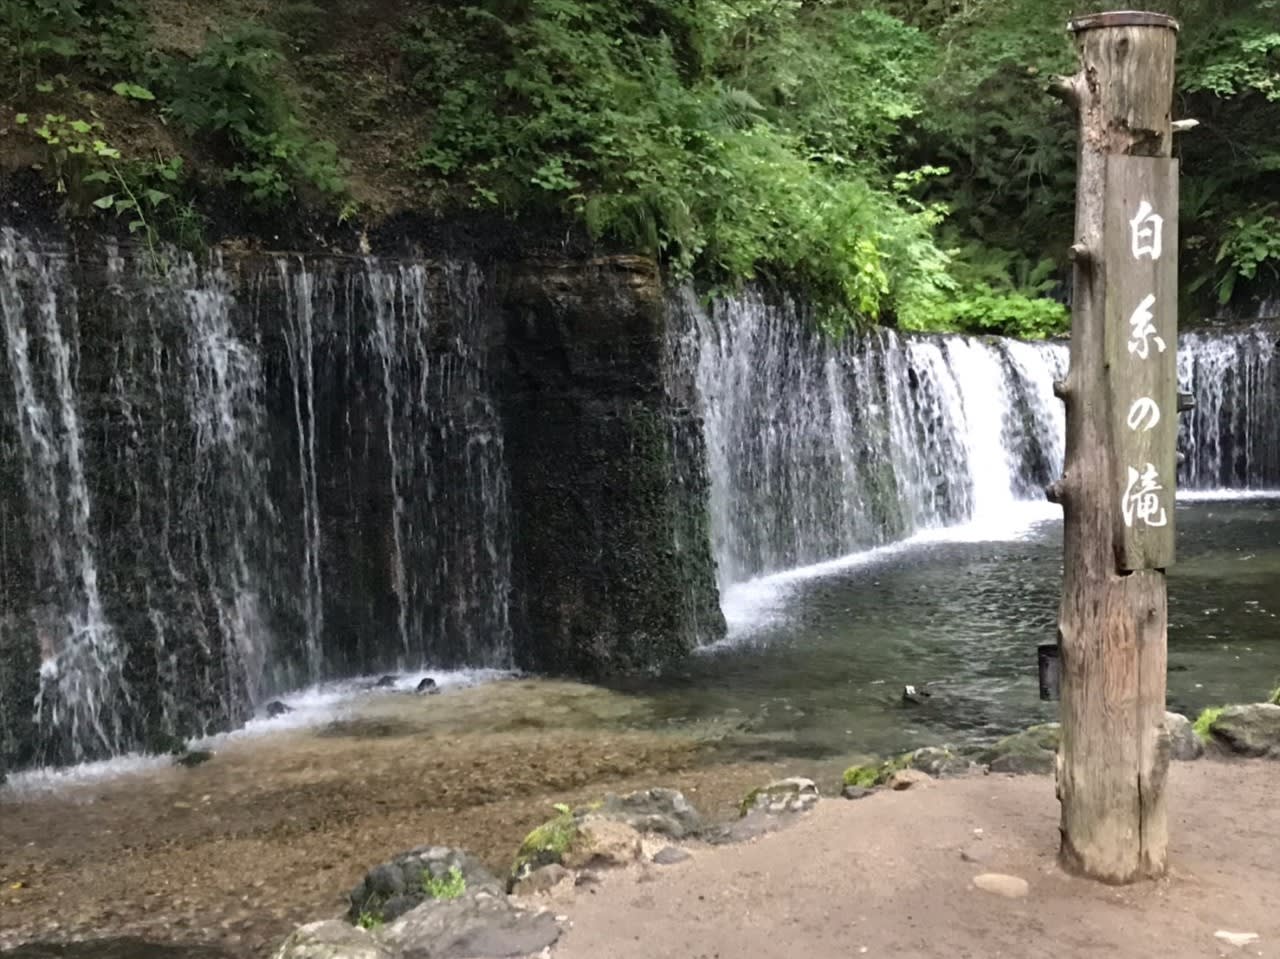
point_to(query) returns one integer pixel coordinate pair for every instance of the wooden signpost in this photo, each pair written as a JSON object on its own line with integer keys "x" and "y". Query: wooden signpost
{"x": 1117, "y": 490}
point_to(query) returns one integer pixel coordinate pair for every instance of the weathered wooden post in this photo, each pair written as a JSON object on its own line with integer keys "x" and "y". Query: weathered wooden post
{"x": 1117, "y": 490}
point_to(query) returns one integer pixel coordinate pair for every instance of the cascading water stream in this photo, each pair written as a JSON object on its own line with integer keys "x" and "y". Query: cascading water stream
{"x": 82, "y": 687}
{"x": 251, "y": 479}
{"x": 242, "y": 478}
{"x": 819, "y": 449}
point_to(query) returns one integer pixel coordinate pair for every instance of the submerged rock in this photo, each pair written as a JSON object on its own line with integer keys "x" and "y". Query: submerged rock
{"x": 277, "y": 708}
{"x": 1184, "y": 744}
{"x": 428, "y": 686}
{"x": 1252, "y": 730}
{"x": 333, "y": 939}
{"x": 385, "y": 682}
{"x": 393, "y": 888}
{"x": 190, "y": 758}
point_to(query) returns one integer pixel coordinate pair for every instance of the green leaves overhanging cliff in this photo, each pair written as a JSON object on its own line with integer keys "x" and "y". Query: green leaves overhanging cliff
{"x": 899, "y": 161}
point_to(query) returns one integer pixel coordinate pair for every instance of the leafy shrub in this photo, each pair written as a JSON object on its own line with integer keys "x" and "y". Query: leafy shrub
{"x": 228, "y": 93}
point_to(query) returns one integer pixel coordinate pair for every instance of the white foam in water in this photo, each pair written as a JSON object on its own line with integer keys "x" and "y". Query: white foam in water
{"x": 1225, "y": 495}
{"x": 308, "y": 708}
{"x": 758, "y": 603}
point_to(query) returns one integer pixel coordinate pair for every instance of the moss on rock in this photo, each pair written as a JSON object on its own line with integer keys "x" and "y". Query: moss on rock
{"x": 1203, "y": 726}
{"x": 863, "y": 776}
{"x": 546, "y": 844}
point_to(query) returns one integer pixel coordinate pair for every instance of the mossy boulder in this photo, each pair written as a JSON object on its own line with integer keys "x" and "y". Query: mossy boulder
{"x": 1033, "y": 750}
{"x": 1252, "y": 730}
{"x": 605, "y": 833}
{"x": 393, "y": 888}
{"x": 935, "y": 761}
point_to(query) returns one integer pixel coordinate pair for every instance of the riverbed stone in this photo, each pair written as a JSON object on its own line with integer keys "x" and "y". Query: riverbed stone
{"x": 542, "y": 881}
{"x": 333, "y": 939}
{"x": 856, "y": 792}
{"x": 940, "y": 762}
{"x": 1252, "y": 730}
{"x": 907, "y": 779}
{"x": 475, "y": 926}
{"x": 793, "y": 795}
{"x": 665, "y": 812}
{"x": 602, "y": 841}
{"x": 670, "y": 855}
{"x": 394, "y": 888}
{"x": 1184, "y": 744}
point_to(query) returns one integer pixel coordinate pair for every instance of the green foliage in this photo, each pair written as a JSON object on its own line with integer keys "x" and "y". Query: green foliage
{"x": 37, "y": 35}
{"x": 228, "y": 92}
{"x": 898, "y": 160}
{"x": 93, "y": 173}
{"x": 982, "y": 309}
{"x": 737, "y": 140}
{"x": 1252, "y": 243}
{"x": 370, "y": 920}
{"x": 450, "y": 887}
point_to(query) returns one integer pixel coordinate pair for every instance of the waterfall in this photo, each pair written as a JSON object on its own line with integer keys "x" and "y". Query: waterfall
{"x": 1232, "y": 437}
{"x": 82, "y": 690}
{"x": 233, "y": 480}
{"x": 820, "y": 448}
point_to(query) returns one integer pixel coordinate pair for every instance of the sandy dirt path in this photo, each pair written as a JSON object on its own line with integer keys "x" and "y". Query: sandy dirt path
{"x": 892, "y": 875}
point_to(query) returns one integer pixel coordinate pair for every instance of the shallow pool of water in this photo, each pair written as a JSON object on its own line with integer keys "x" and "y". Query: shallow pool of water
{"x": 817, "y": 660}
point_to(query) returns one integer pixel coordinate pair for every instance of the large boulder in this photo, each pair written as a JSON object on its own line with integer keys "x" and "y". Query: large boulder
{"x": 1184, "y": 744}
{"x": 392, "y": 889}
{"x": 333, "y": 939}
{"x": 1249, "y": 730}
{"x": 480, "y": 926}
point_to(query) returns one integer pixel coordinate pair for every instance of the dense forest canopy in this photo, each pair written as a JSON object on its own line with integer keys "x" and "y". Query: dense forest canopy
{"x": 899, "y": 161}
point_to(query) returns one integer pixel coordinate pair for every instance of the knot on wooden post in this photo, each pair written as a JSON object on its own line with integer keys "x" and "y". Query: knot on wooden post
{"x": 1056, "y": 492}
{"x": 1186, "y": 402}
{"x": 1080, "y": 254}
{"x": 1060, "y": 390}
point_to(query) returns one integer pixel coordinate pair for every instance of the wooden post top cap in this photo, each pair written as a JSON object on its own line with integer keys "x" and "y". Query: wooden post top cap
{"x": 1122, "y": 18}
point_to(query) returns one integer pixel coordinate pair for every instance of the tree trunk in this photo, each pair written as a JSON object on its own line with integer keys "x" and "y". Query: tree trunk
{"x": 1114, "y": 755}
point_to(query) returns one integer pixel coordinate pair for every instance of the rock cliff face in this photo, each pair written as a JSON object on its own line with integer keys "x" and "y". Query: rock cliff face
{"x": 612, "y": 564}
{"x": 250, "y": 473}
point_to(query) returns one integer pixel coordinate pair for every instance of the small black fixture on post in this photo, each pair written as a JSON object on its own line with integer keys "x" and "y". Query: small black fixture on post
{"x": 1050, "y": 670}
